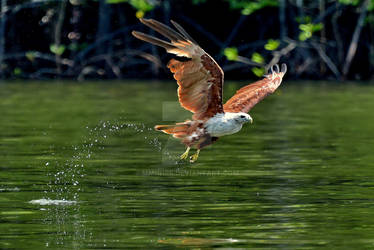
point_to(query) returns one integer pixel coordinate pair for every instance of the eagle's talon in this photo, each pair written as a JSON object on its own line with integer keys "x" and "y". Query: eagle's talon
{"x": 194, "y": 157}
{"x": 185, "y": 154}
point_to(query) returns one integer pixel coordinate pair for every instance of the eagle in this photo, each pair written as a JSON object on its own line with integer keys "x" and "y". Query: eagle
{"x": 200, "y": 81}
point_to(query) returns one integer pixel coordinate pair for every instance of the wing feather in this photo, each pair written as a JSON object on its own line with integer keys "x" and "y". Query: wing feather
{"x": 247, "y": 97}
{"x": 153, "y": 40}
{"x": 200, "y": 78}
{"x": 184, "y": 33}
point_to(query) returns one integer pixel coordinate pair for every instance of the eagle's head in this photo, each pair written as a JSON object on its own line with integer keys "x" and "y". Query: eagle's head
{"x": 243, "y": 118}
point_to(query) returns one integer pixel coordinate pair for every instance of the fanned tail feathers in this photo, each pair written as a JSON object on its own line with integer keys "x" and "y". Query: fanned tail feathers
{"x": 178, "y": 130}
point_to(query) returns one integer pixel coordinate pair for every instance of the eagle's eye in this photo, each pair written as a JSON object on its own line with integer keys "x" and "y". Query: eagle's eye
{"x": 242, "y": 116}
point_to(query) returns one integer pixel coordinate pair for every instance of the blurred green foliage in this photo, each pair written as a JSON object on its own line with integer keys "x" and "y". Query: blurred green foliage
{"x": 349, "y": 2}
{"x": 248, "y": 7}
{"x": 308, "y": 29}
{"x": 142, "y": 6}
{"x": 244, "y": 35}
{"x": 272, "y": 44}
{"x": 258, "y": 71}
{"x": 30, "y": 55}
{"x": 257, "y": 58}
{"x": 57, "y": 49}
{"x": 77, "y": 46}
{"x": 231, "y": 53}
{"x": 17, "y": 71}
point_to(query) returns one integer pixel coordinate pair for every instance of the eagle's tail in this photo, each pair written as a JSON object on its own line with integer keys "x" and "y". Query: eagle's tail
{"x": 178, "y": 130}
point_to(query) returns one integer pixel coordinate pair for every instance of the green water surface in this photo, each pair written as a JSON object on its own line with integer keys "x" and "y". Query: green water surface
{"x": 82, "y": 168}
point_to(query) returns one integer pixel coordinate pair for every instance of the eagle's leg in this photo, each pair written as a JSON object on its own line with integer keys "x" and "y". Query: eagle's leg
{"x": 185, "y": 154}
{"x": 194, "y": 157}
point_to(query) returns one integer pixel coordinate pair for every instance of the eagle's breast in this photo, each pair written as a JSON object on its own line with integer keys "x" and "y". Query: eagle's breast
{"x": 222, "y": 124}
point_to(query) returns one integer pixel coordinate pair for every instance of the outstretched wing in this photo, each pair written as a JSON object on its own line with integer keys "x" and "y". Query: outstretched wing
{"x": 200, "y": 78}
{"x": 248, "y": 96}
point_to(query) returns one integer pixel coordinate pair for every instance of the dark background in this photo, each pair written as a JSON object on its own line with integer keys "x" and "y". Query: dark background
{"x": 81, "y": 40}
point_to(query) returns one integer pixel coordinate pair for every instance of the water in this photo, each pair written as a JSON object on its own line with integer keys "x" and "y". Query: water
{"x": 81, "y": 168}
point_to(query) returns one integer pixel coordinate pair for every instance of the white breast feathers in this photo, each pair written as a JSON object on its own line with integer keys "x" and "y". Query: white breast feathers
{"x": 223, "y": 124}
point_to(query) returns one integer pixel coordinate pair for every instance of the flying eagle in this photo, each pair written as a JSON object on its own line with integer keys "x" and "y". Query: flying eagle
{"x": 200, "y": 81}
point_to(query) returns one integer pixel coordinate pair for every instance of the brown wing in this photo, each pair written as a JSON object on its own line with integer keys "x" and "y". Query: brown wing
{"x": 200, "y": 78}
{"x": 248, "y": 96}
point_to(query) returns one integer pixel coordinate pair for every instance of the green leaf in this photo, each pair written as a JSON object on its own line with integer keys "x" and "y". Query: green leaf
{"x": 349, "y": 2}
{"x": 139, "y": 14}
{"x": 303, "y": 36}
{"x": 247, "y": 7}
{"x": 137, "y": 4}
{"x": 250, "y": 8}
{"x": 231, "y": 53}
{"x": 30, "y": 55}
{"x": 17, "y": 71}
{"x": 57, "y": 49}
{"x": 317, "y": 27}
{"x": 305, "y": 27}
{"x": 258, "y": 58}
{"x": 141, "y": 6}
{"x": 272, "y": 44}
{"x": 258, "y": 71}
{"x": 308, "y": 29}
{"x": 371, "y": 8}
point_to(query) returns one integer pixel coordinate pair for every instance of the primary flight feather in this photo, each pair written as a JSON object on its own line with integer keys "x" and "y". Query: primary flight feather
{"x": 200, "y": 81}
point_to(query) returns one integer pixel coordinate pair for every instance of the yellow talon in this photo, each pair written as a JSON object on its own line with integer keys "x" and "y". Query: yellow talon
{"x": 194, "y": 157}
{"x": 185, "y": 154}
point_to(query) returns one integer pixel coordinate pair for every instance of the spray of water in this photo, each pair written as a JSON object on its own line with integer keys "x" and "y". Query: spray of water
{"x": 62, "y": 198}
{"x": 65, "y": 176}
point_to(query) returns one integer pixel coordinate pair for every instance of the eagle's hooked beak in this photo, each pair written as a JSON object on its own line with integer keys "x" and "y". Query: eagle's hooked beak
{"x": 249, "y": 119}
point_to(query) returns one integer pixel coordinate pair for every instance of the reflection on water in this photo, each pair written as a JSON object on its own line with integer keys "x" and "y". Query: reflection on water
{"x": 82, "y": 168}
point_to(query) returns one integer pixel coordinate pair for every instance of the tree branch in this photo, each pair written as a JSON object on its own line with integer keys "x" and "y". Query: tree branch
{"x": 356, "y": 36}
{"x": 326, "y": 59}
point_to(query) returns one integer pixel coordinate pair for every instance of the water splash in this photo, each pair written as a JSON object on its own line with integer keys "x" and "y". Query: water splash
{"x": 44, "y": 202}
{"x": 66, "y": 176}
{"x": 105, "y": 129}
{"x": 62, "y": 199}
